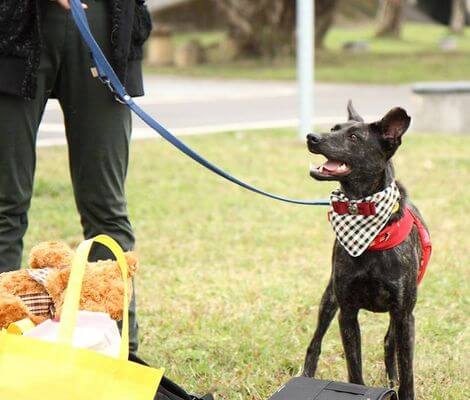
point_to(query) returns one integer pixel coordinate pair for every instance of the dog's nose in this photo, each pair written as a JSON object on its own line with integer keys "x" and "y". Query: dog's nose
{"x": 313, "y": 138}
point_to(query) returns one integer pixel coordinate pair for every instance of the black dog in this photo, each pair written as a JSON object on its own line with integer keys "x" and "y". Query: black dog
{"x": 359, "y": 157}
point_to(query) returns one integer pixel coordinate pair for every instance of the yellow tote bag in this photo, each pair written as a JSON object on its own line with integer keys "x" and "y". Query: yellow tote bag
{"x": 34, "y": 369}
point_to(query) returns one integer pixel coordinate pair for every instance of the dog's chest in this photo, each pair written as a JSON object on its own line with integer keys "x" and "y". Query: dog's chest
{"x": 365, "y": 292}
{"x": 375, "y": 282}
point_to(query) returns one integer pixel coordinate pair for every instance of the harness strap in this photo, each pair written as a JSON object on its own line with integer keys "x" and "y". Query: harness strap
{"x": 106, "y": 74}
{"x": 426, "y": 246}
{"x": 396, "y": 233}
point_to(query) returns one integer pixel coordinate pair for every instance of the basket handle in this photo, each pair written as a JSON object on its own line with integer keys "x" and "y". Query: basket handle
{"x": 68, "y": 318}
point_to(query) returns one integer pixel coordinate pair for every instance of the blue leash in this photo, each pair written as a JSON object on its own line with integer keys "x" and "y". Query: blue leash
{"x": 107, "y": 75}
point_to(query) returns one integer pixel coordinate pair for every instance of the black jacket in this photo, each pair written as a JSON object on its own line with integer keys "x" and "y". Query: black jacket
{"x": 20, "y": 44}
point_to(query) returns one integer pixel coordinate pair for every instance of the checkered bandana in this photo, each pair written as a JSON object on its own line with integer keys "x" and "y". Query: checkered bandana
{"x": 356, "y": 232}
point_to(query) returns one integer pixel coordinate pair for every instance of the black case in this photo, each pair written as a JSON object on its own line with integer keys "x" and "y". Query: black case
{"x": 168, "y": 390}
{"x": 313, "y": 389}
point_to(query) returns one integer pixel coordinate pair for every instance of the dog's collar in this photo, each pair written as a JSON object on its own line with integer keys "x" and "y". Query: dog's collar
{"x": 356, "y": 222}
{"x": 367, "y": 206}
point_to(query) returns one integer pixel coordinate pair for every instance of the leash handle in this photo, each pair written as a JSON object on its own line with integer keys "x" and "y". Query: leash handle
{"x": 107, "y": 75}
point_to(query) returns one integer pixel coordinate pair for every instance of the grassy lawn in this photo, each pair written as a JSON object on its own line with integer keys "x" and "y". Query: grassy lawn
{"x": 415, "y": 57}
{"x": 230, "y": 282}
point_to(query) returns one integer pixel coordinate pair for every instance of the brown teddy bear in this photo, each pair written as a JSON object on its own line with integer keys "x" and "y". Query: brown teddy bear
{"x": 38, "y": 293}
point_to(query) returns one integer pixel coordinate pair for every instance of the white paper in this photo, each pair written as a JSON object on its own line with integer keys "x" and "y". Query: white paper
{"x": 93, "y": 331}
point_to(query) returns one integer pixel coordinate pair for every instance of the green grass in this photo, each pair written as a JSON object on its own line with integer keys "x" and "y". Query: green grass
{"x": 230, "y": 282}
{"x": 415, "y": 38}
{"x": 415, "y": 57}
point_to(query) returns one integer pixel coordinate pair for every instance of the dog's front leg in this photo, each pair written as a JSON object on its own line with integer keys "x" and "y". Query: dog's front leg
{"x": 351, "y": 336}
{"x": 327, "y": 311}
{"x": 405, "y": 336}
{"x": 390, "y": 347}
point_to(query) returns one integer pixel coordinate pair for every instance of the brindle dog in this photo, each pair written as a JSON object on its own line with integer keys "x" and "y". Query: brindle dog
{"x": 381, "y": 281}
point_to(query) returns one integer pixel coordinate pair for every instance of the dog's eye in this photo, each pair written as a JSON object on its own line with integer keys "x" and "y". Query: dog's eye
{"x": 353, "y": 137}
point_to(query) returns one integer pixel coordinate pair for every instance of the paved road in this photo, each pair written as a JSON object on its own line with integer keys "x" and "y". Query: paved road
{"x": 192, "y": 106}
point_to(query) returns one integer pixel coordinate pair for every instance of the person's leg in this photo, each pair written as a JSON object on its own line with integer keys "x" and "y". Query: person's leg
{"x": 98, "y": 133}
{"x": 19, "y": 122}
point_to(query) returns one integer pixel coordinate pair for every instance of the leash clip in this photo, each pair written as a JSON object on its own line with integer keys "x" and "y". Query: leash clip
{"x": 106, "y": 82}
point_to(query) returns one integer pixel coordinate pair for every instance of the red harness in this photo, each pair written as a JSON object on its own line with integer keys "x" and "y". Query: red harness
{"x": 396, "y": 233}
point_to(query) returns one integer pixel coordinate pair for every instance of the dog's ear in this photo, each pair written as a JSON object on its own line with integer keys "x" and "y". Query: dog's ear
{"x": 392, "y": 127}
{"x": 352, "y": 113}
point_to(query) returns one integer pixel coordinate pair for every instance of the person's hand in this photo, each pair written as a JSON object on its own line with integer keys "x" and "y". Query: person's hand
{"x": 66, "y": 4}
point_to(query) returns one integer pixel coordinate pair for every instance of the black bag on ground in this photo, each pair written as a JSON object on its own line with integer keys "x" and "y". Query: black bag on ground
{"x": 169, "y": 390}
{"x": 313, "y": 389}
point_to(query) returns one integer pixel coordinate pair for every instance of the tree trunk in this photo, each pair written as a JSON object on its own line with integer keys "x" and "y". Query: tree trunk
{"x": 325, "y": 11}
{"x": 267, "y": 27}
{"x": 261, "y": 27}
{"x": 390, "y": 18}
{"x": 458, "y": 16}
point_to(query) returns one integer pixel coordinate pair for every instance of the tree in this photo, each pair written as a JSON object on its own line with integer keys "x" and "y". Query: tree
{"x": 260, "y": 27}
{"x": 325, "y": 11}
{"x": 390, "y": 18}
{"x": 458, "y": 16}
{"x": 267, "y": 27}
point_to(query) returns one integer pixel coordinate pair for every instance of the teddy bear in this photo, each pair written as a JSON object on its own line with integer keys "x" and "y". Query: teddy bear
{"x": 38, "y": 293}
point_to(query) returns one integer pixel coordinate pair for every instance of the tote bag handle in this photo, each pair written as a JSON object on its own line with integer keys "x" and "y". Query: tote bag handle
{"x": 68, "y": 318}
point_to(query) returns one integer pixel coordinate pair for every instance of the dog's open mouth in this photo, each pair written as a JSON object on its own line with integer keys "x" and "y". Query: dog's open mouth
{"x": 330, "y": 169}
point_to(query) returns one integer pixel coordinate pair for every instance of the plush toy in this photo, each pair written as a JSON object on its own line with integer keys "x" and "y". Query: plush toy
{"x": 38, "y": 293}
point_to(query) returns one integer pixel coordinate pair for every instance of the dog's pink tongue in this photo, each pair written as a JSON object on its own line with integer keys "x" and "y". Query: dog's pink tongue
{"x": 331, "y": 166}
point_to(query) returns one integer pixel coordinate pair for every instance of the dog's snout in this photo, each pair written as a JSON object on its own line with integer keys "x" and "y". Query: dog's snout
{"x": 313, "y": 138}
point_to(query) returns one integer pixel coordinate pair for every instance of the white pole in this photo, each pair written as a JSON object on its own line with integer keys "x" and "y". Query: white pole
{"x": 305, "y": 63}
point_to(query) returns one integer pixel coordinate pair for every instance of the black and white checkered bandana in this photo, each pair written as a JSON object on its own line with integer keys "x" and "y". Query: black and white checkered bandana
{"x": 356, "y": 232}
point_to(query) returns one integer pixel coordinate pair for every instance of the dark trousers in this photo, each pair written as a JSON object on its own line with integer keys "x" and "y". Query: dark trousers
{"x": 98, "y": 132}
